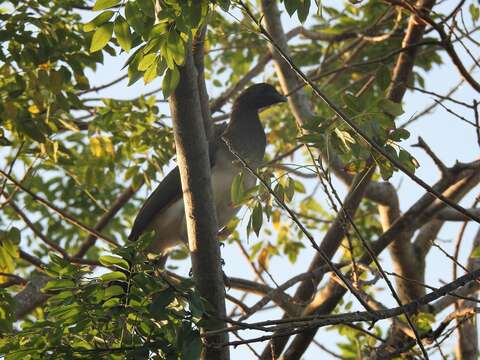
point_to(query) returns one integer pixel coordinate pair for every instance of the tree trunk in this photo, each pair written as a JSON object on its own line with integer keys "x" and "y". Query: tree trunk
{"x": 194, "y": 164}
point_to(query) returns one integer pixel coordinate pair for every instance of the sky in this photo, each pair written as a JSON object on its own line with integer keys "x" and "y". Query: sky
{"x": 448, "y": 137}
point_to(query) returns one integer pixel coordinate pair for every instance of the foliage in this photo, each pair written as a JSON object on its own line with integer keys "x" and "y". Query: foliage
{"x": 127, "y": 312}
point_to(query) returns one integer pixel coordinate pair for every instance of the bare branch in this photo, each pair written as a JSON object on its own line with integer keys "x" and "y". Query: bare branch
{"x": 117, "y": 205}
{"x": 440, "y": 165}
{"x": 104, "y": 86}
{"x": 58, "y": 211}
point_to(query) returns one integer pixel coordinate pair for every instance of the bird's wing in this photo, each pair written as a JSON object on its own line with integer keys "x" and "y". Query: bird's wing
{"x": 167, "y": 192}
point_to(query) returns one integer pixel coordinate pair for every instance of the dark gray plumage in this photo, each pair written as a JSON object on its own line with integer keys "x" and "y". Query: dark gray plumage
{"x": 163, "y": 211}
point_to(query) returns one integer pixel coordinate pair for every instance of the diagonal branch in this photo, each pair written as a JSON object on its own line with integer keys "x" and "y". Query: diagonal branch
{"x": 59, "y": 211}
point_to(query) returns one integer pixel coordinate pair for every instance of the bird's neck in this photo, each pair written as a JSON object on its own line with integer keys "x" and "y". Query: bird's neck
{"x": 244, "y": 119}
{"x": 245, "y": 133}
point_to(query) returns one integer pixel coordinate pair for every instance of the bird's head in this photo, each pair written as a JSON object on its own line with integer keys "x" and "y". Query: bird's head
{"x": 259, "y": 96}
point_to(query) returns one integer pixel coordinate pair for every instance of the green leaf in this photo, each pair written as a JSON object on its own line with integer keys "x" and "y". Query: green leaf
{"x": 97, "y": 21}
{"x": 424, "y": 321}
{"x": 105, "y": 4}
{"x": 310, "y": 138}
{"x": 474, "y": 12}
{"x": 65, "y": 312}
{"x": 110, "y": 260}
{"x": 30, "y": 128}
{"x": 192, "y": 346}
{"x": 122, "y": 33}
{"x": 170, "y": 81}
{"x": 146, "y": 61}
{"x": 399, "y": 134}
{"x": 112, "y": 291}
{"x": 237, "y": 189}
{"x": 133, "y": 74}
{"x": 383, "y": 77}
{"x": 14, "y": 235}
{"x": 257, "y": 218}
{"x": 135, "y": 18}
{"x": 290, "y": 189}
{"x": 160, "y": 301}
{"x": 299, "y": 187}
{"x": 101, "y": 37}
{"x": 59, "y": 284}
{"x": 147, "y": 6}
{"x": 111, "y": 302}
{"x": 149, "y": 76}
{"x": 224, "y": 4}
{"x": 302, "y": 10}
{"x": 407, "y": 160}
{"x": 279, "y": 191}
{"x": 390, "y": 107}
{"x": 196, "y": 305}
{"x": 173, "y": 50}
{"x": 290, "y": 6}
{"x": 114, "y": 275}
{"x": 157, "y": 31}
{"x": 353, "y": 103}
{"x": 386, "y": 169}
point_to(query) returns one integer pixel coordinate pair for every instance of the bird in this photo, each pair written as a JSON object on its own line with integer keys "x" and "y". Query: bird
{"x": 164, "y": 212}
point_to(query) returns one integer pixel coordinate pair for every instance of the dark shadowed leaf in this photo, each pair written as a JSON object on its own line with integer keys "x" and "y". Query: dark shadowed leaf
{"x": 257, "y": 218}
{"x": 302, "y": 10}
{"x": 170, "y": 81}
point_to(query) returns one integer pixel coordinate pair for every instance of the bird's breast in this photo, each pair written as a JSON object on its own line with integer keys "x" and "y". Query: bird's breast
{"x": 169, "y": 224}
{"x": 170, "y": 227}
{"x": 222, "y": 179}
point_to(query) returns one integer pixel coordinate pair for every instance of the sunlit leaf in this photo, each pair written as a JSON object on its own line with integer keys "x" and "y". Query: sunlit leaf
{"x": 122, "y": 33}
{"x": 104, "y": 4}
{"x": 101, "y": 37}
{"x": 98, "y": 20}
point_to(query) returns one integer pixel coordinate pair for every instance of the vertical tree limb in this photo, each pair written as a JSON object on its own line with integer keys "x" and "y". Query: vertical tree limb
{"x": 405, "y": 61}
{"x": 198, "y": 59}
{"x": 194, "y": 164}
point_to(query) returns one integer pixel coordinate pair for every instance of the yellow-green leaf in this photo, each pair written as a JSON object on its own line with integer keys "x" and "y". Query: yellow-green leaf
{"x": 98, "y": 20}
{"x": 146, "y": 61}
{"x": 59, "y": 284}
{"x": 237, "y": 190}
{"x": 122, "y": 33}
{"x": 105, "y": 4}
{"x": 101, "y": 37}
{"x": 109, "y": 260}
{"x": 114, "y": 275}
{"x": 151, "y": 73}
